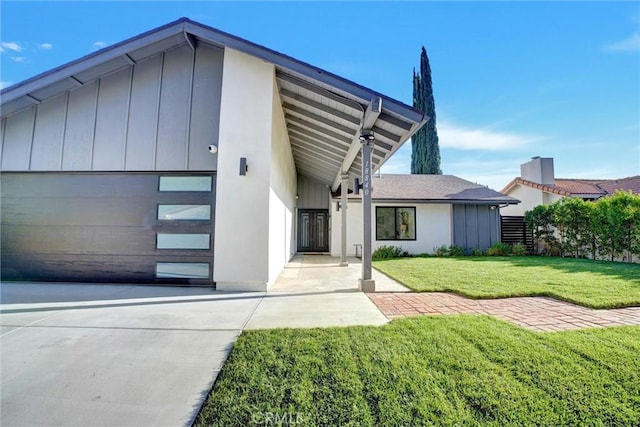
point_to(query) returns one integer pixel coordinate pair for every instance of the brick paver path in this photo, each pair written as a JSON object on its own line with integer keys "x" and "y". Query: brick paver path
{"x": 537, "y": 313}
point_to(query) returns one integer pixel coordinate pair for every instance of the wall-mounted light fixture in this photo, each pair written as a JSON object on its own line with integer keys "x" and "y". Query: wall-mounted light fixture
{"x": 366, "y": 135}
{"x": 243, "y": 166}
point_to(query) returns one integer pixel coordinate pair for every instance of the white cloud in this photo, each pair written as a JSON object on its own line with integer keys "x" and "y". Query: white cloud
{"x": 14, "y": 46}
{"x": 99, "y": 44}
{"x": 5, "y": 84}
{"x": 630, "y": 44}
{"x": 451, "y": 135}
{"x": 19, "y": 58}
{"x": 45, "y": 46}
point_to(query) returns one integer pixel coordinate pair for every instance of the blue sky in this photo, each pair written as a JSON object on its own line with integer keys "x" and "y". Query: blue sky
{"x": 511, "y": 80}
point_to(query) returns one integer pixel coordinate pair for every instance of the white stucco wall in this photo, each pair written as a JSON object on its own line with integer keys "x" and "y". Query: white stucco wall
{"x": 282, "y": 193}
{"x": 433, "y": 228}
{"x": 241, "y": 260}
{"x": 529, "y": 199}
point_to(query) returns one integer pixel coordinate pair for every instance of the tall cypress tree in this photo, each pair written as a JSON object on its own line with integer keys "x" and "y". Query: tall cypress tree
{"x": 425, "y": 151}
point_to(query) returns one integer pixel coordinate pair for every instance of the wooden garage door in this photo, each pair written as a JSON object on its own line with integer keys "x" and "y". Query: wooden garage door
{"x": 108, "y": 227}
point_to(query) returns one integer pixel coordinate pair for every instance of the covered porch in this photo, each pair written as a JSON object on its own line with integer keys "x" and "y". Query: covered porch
{"x": 323, "y": 273}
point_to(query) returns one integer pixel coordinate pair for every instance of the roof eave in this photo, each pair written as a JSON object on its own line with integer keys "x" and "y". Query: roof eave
{"x": 214, "y": 36}
{"x": 103, "y": 55}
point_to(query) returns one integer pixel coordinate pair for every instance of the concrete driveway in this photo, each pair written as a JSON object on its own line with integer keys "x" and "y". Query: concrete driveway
{"x": 113, "y": 355}
{"x": 121, "y": 355}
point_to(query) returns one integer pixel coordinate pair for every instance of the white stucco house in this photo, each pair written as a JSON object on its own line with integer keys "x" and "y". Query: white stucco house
{"x": 184, "y": 155}
{"x": 420, "y": 213}
{"x": 537, "y": 185}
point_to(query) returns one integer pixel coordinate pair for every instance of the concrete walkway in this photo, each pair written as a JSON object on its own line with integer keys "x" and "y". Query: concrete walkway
{"x": 536, "y": 313}
{"x": 315, "y": 291}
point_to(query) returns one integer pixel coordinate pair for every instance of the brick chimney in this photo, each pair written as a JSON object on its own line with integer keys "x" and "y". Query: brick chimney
{"x": 538, "y": 170}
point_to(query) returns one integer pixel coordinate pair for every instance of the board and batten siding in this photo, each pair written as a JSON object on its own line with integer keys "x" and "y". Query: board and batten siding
{"x": 159, "y": 114}
{"x": 475, "y": 226}
{"x": 312, "y": 194}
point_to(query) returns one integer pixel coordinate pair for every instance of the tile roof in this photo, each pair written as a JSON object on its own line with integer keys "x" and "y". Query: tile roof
{"x": 433, "y": 188}
{"x": 588, "y": 188}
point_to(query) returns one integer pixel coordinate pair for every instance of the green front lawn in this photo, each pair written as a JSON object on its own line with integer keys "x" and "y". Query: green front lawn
{"x": 596, "y": 284}
{"x": 440, "y": 370}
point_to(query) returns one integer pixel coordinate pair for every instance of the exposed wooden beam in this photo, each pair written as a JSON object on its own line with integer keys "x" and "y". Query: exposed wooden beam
{"x": 318, "y": 105}
{"x": 318, "y": 118}
{"x": 350, "y": 103}
{"x": 311, "y": 136}
{"x": 370, "y": 116}
{"x": 316, "y": 142}
{"x": 320, "y": 130}
{"x": 321, "y": 151}
{"x": 394, "y": 121}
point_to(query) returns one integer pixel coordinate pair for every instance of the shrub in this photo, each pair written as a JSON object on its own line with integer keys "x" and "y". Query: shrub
{"x": 519, "y": 249}
{"x": 499, "y": 249}
{"x": 477, "y": 252}
{"x": 441, "y": 251}
{"x": 456, "y": 251}
{"x": 388, "y": 252}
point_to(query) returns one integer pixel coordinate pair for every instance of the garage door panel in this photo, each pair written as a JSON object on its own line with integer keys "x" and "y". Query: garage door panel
{"x": 70, "y": 211}
{"x": 80, "y": 185}
{"x": 107, "y": 227}
{"x": 93, "y": 268}
{"x": 78, "y": 240}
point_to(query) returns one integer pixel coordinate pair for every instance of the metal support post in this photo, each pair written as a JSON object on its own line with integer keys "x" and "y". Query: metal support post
{"x": 367, "y": 284}
{"x": 344, "y": 187}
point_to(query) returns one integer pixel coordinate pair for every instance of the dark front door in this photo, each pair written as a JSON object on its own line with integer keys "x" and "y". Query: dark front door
{"x": 313, "y": 230}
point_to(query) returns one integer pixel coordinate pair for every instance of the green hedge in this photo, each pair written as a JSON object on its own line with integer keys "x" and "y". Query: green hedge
{"x": 608, "y": 227}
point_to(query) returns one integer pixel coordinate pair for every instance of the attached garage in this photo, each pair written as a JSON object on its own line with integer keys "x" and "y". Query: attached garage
{"x": 153, "y": 159}
{"x": 108, "y": 227}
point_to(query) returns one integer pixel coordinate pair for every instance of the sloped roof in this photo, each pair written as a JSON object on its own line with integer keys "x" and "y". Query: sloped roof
{"x": 433, "y": 188}
{"x": 585, "y": 188}
{"x": 324, "y": 112}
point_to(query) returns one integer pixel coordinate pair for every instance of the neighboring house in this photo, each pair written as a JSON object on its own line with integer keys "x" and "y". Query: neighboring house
{"x": 537, "y": 185}
{"x": 182, "y": 155}
{"x": 423, "y": 212}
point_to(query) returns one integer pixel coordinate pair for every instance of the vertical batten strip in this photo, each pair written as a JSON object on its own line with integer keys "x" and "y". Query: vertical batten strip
{"x": 155, "y": 139}
{"x": 190, "y": 108}
{"x": 126, "y": 120}
{"x": 95, "y": 123}
{"x": 3, "y": 128}
{"x": 64, "y": 129}
{"x": 34, "y": 116}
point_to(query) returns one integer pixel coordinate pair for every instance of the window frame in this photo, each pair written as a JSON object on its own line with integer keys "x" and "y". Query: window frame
{"x": 395, "y": 224}
{"x": 161, "y": 236}
{"x": 208, "y": 218}
{"x": 183, "y": 187}
{"x": 164, "y": 264}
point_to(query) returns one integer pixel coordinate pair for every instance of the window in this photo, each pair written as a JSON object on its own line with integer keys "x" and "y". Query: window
{"x": 184, "y": 212}
{"x": 394, "y": 223}
{"x": 183, "y": 241}
{"x": 185, "y": 183}
{"x": 182, "y": 270}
